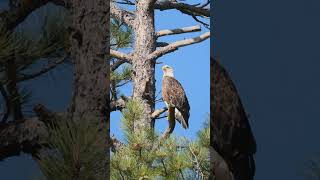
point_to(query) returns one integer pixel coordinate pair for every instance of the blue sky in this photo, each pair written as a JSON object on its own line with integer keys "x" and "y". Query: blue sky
{"x": 191, "y": 66}
{"x": 271, "y": 50}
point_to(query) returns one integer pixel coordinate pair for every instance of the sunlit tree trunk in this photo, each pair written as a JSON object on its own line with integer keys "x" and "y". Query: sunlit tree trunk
{"x": 143, "y": 68}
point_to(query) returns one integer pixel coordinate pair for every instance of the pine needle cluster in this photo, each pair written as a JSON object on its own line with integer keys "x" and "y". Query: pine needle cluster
{"x": 145, "y": 155}
{"x": 76, "y": 150}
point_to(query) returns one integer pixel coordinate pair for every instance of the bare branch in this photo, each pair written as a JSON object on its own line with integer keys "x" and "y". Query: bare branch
{"x": 192, "y": 10}
{"x": 117, "y": 64}
{"x": 178, "y": 31}
{"x": 203, "y": 23}
{"x": 25, "y": 77}
{"x": 158, "y": 112}
{"x": 120, "y": 55}
{"x": 122, "y": 15}
{"x": 176, "y": 45}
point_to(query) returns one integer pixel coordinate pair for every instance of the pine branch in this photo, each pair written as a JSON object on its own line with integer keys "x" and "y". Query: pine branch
{"x": 176, "y": 45}
{"x": 178, "y": 31}
{"x": 25, "y": 77}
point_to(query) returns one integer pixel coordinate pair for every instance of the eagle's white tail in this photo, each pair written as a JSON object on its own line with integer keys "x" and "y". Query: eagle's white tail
{"x": 180, "y": 118}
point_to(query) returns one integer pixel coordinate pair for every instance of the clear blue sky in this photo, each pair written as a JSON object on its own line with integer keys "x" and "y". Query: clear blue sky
{"x": 191, "y": 66}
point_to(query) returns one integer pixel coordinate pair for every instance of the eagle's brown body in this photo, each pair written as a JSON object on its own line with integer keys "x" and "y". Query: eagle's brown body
{"x": 174, "y": 95}
{"x": 231, "y": 134}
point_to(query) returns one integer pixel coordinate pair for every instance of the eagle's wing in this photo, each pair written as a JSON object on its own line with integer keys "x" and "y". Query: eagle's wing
{"x": 174, "y": 95}
{"x": 231, "y": 132}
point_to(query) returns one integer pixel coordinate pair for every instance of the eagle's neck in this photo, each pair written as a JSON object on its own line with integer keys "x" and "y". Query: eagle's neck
{"x": 168, "y": 74}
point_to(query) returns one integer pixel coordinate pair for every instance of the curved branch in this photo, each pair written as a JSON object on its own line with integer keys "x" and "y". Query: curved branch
{"x": 118, "y": 63}
{"x": 176, "y": 45}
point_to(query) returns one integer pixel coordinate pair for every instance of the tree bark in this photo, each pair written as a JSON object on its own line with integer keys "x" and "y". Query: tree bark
{"x": 89, "y": 51}
{"x": 144, "y": 69}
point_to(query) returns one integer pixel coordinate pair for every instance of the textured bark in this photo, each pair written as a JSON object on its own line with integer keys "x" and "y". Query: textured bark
{"x": 89, "y": 47}
{"x": 90, "y": 44}
{"x": 144, "y": 69}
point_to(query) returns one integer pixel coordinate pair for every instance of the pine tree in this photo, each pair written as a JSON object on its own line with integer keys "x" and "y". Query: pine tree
{"x": 146, "y": 155}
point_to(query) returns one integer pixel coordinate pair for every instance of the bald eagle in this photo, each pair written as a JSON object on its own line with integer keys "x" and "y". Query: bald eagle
{"x": 175, "y": 98}
{"x": 231, "y": 134}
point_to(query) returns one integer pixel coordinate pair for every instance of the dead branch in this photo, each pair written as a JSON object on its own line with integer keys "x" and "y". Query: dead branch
{"x": 174, "y": 46}
{"x": 120, "y": 55}
{"x": 192, "y": 10}
{"x": 117, "y": 64}
{"x": 178, "y": 31}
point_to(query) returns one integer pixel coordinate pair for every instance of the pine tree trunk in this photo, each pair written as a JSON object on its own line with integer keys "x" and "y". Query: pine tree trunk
{"x": 144, "y": 69}
{"x": 90, "y": 47}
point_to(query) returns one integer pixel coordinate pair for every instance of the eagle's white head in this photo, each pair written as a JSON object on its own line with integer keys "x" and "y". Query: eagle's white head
{"x": 167, "y": 71}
